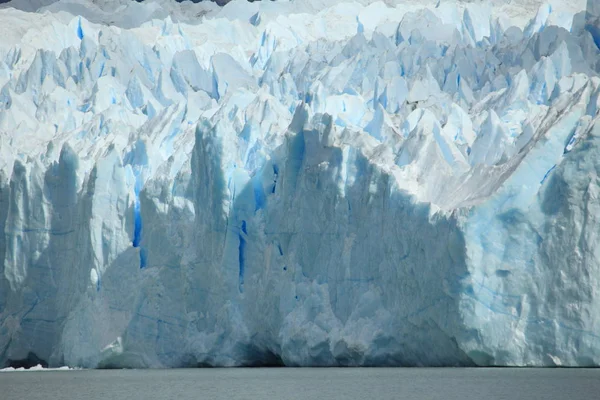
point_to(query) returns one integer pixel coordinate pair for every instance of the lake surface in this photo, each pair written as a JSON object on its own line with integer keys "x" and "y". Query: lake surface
{"x": 306, "y": 383}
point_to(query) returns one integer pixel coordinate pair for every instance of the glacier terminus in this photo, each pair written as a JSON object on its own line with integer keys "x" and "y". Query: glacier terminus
{"x": 300, "y": 183}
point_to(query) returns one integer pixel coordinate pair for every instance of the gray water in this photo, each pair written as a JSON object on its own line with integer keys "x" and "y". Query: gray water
{"x": 308, "y": 383}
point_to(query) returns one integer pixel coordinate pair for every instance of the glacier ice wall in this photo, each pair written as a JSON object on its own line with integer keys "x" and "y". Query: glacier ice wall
{"x": 300, "y": 183}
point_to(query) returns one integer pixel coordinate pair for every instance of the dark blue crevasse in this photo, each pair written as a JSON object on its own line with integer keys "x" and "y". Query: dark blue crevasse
{"x": 595, "y": 32}
{"x": 259, "y": 194}
{"x": 137, "y": 159}
{"x": 137, "y": 218}
{"x": 79, "y": 30}
{"x": 137, "y": 214}
{"x": 137, "y": 221}
{"x": 241, "y": 250}
{"x": 547, "y": 173}
{"x": 143, "y": 258}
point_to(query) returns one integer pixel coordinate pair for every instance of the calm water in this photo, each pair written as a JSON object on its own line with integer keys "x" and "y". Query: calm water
{"x": 309, "y": 383}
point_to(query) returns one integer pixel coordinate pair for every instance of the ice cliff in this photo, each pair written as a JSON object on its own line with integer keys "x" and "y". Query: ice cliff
{"x": 310, "y": 183}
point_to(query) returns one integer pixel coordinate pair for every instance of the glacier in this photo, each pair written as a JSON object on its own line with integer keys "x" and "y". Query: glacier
{"x": 299, "y": 183}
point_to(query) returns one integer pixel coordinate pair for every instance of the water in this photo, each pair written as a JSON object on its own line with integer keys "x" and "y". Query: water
{"x": 308, "y": 383}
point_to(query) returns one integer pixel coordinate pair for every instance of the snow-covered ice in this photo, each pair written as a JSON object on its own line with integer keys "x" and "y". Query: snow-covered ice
{"x": 310, "y": 182}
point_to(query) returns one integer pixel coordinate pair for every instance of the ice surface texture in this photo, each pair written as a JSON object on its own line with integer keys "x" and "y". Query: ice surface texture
{"x": 302, "y": 183}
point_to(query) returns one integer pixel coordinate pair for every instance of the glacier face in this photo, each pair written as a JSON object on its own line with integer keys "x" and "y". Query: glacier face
{"x": 300, "y": 183}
